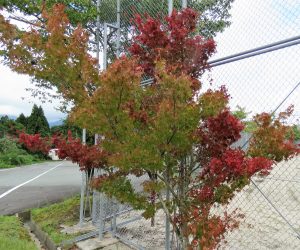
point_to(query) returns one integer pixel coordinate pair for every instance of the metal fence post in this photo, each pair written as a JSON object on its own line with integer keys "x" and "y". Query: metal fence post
{"x": 167, "y": 221}
{"x": 167, "y": 229}
{"x": 101, "y": 197}
{"x": 119, "y": 27}
{"x": 184, "y": 4}
{"x": 170, "y": 7}
{"x": 81, "y": 213}
{"x": 95, "y": 200}
{"x": 101, "y": 217}
{"x": 94, "y": 206}
{"x": 105, "y": 47}
{"x": 84, "y": 136}
{"x": 114, "y": 218}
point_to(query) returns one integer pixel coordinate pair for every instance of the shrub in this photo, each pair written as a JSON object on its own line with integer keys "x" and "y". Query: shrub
{"x": 11, "y": 154}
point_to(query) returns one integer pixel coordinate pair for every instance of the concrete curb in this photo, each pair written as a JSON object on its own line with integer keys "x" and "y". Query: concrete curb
{"x": 108, "y": 243}
{"x": 37, "y": 231}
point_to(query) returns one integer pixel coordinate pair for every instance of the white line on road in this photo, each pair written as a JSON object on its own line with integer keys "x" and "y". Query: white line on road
{"x": 24, "y": 183}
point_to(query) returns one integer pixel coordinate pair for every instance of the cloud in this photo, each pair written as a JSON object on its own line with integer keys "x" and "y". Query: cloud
{"x": 14, "y": 99}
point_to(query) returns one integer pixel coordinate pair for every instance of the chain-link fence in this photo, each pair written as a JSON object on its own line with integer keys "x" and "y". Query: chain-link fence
{"x": 258, "y": 60}
{"x": 263, "y": 76}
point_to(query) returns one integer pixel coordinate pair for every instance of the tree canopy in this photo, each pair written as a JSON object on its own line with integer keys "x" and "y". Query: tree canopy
{"x": 215, "y": 13}
{"x": 22, "y": 119}
{"x": 214, "y": 18}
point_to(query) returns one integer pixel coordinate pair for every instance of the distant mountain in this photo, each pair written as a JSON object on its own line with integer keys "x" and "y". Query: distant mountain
{"x": 13, "y": 117}
{"x": 55, "y": 123}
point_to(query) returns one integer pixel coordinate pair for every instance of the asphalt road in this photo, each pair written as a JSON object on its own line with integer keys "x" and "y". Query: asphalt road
{"x": 37, "y": 185}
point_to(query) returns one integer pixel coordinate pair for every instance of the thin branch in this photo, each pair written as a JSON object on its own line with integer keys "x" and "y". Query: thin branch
{"x": 194, "y": 169}
{"x": 120, "y": 97}
{"x": 20, "y": 19}
{"x": 168, "y": 213}
{"x": 168, "y": 186}
{"x": 112, "y": 126}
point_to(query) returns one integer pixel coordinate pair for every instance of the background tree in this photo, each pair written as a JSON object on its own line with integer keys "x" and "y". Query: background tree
{"x": 37, "y": 122}
{"x": 240, "y": 113}
{"x": 68, "y": 126}
{"x": 22, "y": 119}
{"x": 296, "y": 130}
{"x": 9, "y": 127}
{"x": 243, "y": 115}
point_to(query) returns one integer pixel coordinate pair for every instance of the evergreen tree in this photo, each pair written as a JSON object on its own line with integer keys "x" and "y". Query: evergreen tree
{"x": 37, "y": 122}
{"x": 22, "y": 119}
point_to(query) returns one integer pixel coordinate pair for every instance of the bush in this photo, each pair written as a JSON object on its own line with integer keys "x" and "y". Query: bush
{"x": 8, "y": 145}
{"x": 15, "y": 159}
{"x": 11, "y": 154}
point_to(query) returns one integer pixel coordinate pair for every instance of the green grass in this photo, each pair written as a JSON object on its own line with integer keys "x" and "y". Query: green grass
{"x": 50, "y": 218}
{"x": 13, "y": 235}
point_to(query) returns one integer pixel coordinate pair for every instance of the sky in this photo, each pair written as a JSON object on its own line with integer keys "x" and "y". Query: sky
{"x": 14, "y": 99}
{"x": 258, "y": 84}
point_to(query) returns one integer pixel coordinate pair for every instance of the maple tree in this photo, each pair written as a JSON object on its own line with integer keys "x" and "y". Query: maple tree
{"x": 177, "y": 135}
{"x": 174, "y": 133}
{"x": 35, "y": 143}
{"x": 88, "y": 157}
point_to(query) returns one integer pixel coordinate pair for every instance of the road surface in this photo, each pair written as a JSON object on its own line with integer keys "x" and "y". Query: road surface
{"x": 37, "y": 185}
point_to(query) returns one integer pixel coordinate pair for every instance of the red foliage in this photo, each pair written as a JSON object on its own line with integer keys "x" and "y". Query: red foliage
{"x": 87, "y": 157}
{"x": 231, "y": 165}
{"x": 217, "y": 133}
{"x": 35, "y": 143}
{"x": 209, "y": 230}
{"x": 273, "y": 139}
{"x": 174, "y": 43}
{"x": 219, "y": 179}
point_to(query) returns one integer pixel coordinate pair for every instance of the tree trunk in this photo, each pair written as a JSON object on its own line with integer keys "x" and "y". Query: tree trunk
{"x": 153, "y": 198}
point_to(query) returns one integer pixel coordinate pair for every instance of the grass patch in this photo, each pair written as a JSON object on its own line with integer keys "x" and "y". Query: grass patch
{"x": 50, "y": 218}
{"x": 13, "y": 235}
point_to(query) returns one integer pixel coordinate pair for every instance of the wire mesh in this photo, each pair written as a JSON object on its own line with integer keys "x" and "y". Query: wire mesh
{"x": 260, "y": 83}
